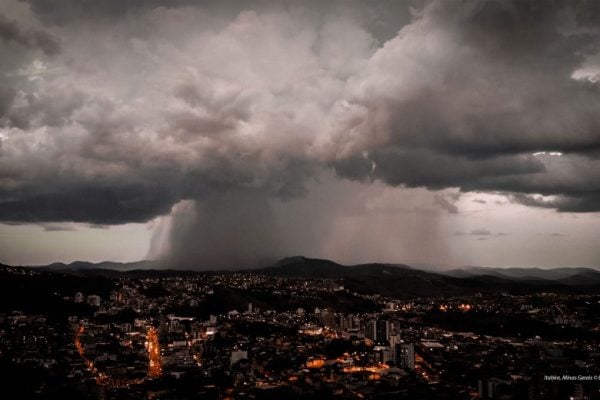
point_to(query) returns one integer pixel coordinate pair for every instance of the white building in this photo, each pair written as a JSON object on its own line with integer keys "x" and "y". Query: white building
{"x": 237, "y": 355}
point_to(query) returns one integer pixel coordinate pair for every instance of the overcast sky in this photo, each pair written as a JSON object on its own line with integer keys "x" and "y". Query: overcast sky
{"x": 225, "y": 134}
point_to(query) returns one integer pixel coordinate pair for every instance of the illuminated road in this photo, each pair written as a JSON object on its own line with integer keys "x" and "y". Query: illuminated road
{"x": 154, "y": 358}
{"x": 154, "y": 361}
{"x": 425, "y": 370}
{"x": 101, "y": 378}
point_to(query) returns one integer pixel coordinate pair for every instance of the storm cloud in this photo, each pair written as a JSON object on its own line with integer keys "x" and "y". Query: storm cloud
{"x": 114, "y": 112}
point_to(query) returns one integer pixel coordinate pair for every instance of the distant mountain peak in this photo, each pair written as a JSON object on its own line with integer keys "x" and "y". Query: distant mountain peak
{"x": 295, "y": 260}
{"x": 291, "y": 260}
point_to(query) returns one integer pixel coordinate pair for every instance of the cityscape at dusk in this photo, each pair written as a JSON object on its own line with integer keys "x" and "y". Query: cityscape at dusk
{"x": 300, "y": 199}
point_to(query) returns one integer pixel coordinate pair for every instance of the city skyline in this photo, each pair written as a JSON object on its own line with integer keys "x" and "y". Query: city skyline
{"x": 302, "y": 329}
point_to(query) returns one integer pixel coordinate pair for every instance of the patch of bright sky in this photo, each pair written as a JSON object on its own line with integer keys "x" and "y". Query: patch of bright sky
{"x": 35, "y": 244}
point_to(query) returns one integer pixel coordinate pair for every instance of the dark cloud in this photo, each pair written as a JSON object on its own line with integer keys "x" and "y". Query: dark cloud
{"x": 480, "y": 232}
{"x": 422, "y": 167}
{"x": 35, "y": 39}
{"x": 91, "y": 204}
{"x": 17, "y": 46}
{"x": 384, "y": 17}
{"x": 579, "y": 202}
{"x": 6, "y": 96}
{"x": 467, "y": 93}
{"x": 62, "y": 12}
{"x": 58, "y": 228}
{"x": 98, "y": 226}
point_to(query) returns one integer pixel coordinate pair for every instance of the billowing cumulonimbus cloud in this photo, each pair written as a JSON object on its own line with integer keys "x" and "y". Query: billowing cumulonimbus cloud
{"x": 171, "y": 105}
{"x": 114, "y": 113}
{"x": 481, "y": 96}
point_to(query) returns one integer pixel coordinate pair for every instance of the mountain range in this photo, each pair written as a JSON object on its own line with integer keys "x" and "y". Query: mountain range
{"x": 397, "y": 280}
{"x": 104, "y": 265}
{"x": 403, "y": 280}
{"x": 571, "y": 275}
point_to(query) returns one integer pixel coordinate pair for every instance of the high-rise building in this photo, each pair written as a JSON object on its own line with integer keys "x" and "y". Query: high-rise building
{"x": 490, "y": 389}
{"x": 347, "y": 322}
{"x": 394, "y": 345}
{"x": 371, "y": 329}
{"x": 384, "y": 330}
{"x": 382, "y": 354}
{"x": 378, "y": 331}
{"x": 406, "y": 356}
